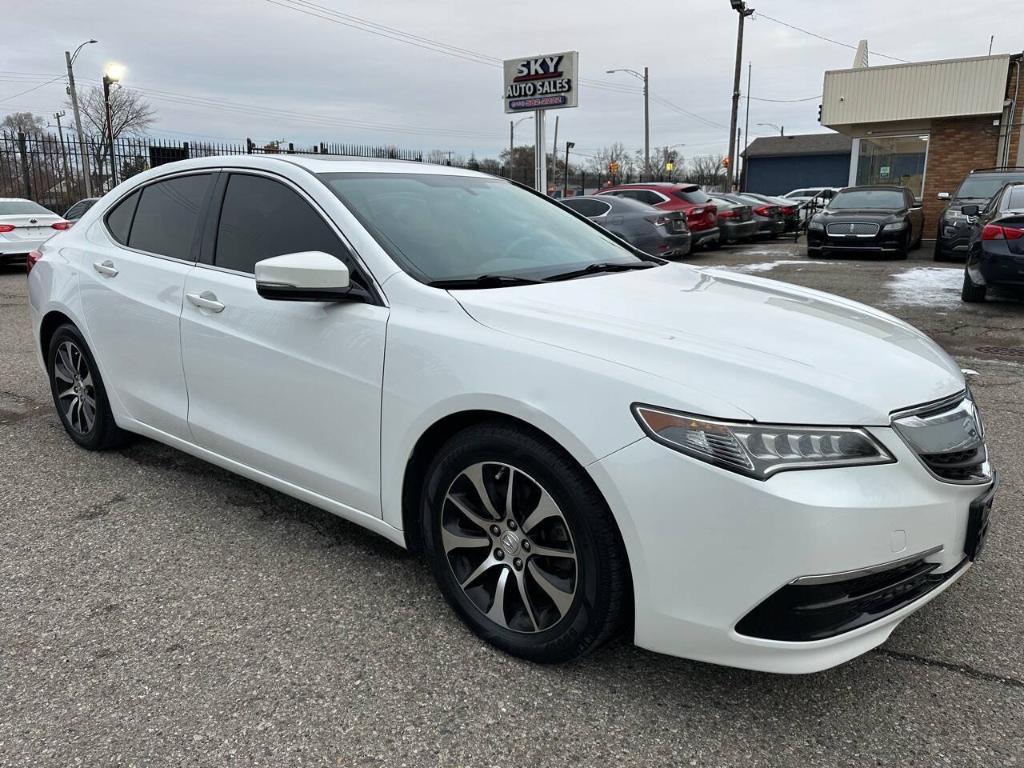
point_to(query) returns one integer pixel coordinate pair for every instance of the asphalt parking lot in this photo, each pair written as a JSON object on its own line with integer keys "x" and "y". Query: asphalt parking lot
{"x": 155, "y": 610}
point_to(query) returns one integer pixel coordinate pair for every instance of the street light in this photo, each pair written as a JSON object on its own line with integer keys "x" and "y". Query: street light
{"x": 645, "y": 77}
{"x": 113, "y": 74}
{"x": 741, "y": 8}
{"x": 780, "y": 128}
{"x": 69, "y": 60}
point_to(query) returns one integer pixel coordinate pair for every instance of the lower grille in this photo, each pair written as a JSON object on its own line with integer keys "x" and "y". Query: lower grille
{"x": 800, "y": 612}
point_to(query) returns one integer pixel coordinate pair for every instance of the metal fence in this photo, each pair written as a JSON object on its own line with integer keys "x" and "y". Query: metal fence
{"x": 56, "y": 171}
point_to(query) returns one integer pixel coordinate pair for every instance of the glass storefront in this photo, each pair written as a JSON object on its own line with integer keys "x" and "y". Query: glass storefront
{"x": 897, "y": 160}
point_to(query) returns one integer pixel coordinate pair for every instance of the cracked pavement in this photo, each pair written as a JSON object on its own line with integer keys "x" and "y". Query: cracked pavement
{"x": 155, "y": 610}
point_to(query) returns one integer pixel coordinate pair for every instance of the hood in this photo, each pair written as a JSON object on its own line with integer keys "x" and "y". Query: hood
{"x": 774, "y": 351}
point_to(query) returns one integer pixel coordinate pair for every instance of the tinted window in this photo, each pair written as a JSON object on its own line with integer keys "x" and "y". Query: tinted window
{"x": 880, "y": 199}
{"x": 167, "y": 214}
{"x": 262, "y": 218}
{"x": 453, "y": 227}
{"x": 651, "y": 198}
{"x": 986, "y": 184}
{"x": 1015, "y": 198}
{"x": 696, "y": 196}
{"x": 23, "y": 207}
{"x": 75, "y": 211}
{"x": 587, "y": 207}
{"x": 119, "y": 220}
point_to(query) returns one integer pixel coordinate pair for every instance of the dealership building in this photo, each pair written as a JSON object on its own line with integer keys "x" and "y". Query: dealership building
{"x": 926, "y": 125}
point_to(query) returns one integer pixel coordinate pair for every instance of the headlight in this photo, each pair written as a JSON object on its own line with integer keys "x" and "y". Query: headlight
{"x": 896, "y": 226}
{"x": 760, "y": 450}
{"x": 817, "y": 226}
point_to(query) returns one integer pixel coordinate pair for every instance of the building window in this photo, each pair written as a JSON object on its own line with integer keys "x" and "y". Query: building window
{"x": 897, "y": 160}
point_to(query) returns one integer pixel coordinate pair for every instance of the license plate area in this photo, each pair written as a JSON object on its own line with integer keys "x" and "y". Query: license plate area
{"x": 978, "y": 520}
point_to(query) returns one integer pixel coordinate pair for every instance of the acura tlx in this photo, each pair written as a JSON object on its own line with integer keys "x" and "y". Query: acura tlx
{"x": 581, "y": 438}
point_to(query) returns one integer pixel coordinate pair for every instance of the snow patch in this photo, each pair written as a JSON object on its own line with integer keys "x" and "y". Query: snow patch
{"x": 767, "y": 266}
{"x": 926, "y": 287}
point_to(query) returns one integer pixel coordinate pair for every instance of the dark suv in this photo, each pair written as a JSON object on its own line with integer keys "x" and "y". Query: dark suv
{"x": 977, "y": 188}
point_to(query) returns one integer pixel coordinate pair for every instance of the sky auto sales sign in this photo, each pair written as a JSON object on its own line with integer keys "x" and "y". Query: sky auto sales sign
{"x": 541, "y": 82}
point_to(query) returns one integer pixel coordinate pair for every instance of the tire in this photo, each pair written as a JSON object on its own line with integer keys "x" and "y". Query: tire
{"x": 78, "y": 392}
{"x": 813, "y": 253}
{"x": 552, "y": 623}
{"x": 971, "y": 293}
{"x": 713, "y": 245}
{"x": 939, "y": 255}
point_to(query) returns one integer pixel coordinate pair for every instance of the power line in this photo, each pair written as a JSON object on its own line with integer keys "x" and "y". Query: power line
{"x": 785, "y": 101}
{"x": 29, "y": 90}
{"x": 760, "y": 15}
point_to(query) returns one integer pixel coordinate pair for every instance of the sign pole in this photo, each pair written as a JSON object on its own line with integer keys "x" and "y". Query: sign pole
{"x": 540, "y": 164}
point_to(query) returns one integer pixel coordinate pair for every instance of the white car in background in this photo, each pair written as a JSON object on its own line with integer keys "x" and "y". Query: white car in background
{"x": 811, "y": 199}
{"x": 581, "y": 437}
{"x": 24, "y": 226}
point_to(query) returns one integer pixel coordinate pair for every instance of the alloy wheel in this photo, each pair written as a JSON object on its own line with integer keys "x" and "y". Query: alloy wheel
{"x": 509, "y": 547}
{"x": 76, "y": 392}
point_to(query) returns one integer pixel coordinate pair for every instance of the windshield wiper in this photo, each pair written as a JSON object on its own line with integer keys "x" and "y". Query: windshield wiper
{"x": 601, "y": 266}
{"x": 483, "y": 281}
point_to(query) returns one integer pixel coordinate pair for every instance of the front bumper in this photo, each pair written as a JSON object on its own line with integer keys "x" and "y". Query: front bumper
{"x": 707, "y": 546}
{"x": 882, "y": 242}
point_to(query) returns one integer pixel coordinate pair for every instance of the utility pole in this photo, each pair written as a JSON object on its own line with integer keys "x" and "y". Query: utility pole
{"x": 554, "y": 156}
{"x": 107, "y": 81}
{"x": 647, "y": 123}
{"x": 565, "y": 179}
{"x": 741, "y": 8}
{"x": 63, "y": 149}
{"x": 83, "y": 151}
{"x": 746, "y": 133}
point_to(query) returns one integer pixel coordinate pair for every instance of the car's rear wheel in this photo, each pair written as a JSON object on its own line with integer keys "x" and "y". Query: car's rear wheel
{"x": 78, "y": 392}
{"x": 970, "y": 292}
{"x": 523, "y": 545}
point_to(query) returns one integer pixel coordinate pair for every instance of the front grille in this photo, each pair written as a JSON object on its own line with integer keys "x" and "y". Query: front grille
{"x": 852, "y": 228}
{"x": 802, "y": 612}
{"x": 949, "y": 438}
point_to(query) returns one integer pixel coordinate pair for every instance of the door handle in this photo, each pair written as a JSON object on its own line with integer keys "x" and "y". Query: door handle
{"x": 105, "y": 268}
{"x": 206, "y": 300}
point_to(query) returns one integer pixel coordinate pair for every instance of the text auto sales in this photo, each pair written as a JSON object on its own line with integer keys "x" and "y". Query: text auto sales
{"x": 538, "y": 83}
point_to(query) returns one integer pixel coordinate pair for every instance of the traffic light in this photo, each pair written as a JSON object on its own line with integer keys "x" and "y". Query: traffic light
{"x": 725, "y": 162}
{"x": 613, "y": 167}
{"x": 819, "y": 113}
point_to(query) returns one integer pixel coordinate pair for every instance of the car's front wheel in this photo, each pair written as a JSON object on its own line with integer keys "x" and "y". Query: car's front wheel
{"x": 78, "y": 392}
{"x": 523, "y": 545}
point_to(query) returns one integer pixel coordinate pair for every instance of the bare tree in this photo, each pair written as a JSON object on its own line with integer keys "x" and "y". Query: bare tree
{"x": 707, "y": 170}
{"x": 615, "y": 153}
{"x": 25, "y": 122}
{"x": 130, "y": 113}
{"x": 660, "y": 158}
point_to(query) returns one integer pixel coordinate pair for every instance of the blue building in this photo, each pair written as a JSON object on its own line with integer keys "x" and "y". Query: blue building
{"x": 774, "y": 165}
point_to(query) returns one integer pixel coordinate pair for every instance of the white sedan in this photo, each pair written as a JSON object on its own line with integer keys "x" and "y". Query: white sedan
{"x": 24, "y": 226}
{"x": 582, "y": 438}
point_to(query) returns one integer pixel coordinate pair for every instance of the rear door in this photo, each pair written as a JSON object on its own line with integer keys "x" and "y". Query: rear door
{"x": 292, "y": 389}
{"x": 132, "y": 280}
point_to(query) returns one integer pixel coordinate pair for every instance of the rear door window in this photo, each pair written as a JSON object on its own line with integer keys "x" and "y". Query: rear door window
{"x": 119, "y": 220}
{"x": 589, "y": 208}
{"x": 649, "y": 197}
{"x": 167, "y": 215}
{"x": 1015, "y": 199}
{"x": 694, "y": 197}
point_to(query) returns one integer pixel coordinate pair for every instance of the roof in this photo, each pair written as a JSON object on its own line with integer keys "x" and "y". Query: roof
{"x": 802, "y": 144}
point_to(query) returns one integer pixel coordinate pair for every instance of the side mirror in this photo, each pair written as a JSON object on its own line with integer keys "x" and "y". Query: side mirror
{"x": 304, "y": 276}
{"x": 970, "y": 210}
{"x": 943, "y": 195}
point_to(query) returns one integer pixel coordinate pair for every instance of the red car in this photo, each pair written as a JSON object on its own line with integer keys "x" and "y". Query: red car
{"x": 701, "y": 212}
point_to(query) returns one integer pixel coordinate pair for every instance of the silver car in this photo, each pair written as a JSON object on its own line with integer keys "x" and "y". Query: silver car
{"x": 24, "y": 226}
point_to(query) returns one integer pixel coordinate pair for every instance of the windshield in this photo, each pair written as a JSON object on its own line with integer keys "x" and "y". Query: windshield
{"x": 986, "y": 184}
{"x": 882, "y": 199}
{"x": 22, "y": 207}
{"x": 447, "y": 227}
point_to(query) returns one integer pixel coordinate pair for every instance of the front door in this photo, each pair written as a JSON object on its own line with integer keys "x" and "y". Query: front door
{"x": 292, "y": 389}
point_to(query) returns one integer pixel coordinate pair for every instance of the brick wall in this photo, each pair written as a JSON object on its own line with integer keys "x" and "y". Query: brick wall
{"x": 956, "y": 146}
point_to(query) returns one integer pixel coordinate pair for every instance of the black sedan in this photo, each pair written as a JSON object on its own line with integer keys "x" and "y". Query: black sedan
{"x": 790, "y": 211}
{"x": 653, "y": 231}
{"x": 995, "y": 255}
{"x": 767, "y": 215}
{"x": 869, "y": 219}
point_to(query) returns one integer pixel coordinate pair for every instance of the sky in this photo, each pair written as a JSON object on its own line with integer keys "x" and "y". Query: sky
{"x": 296, "y": 70}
